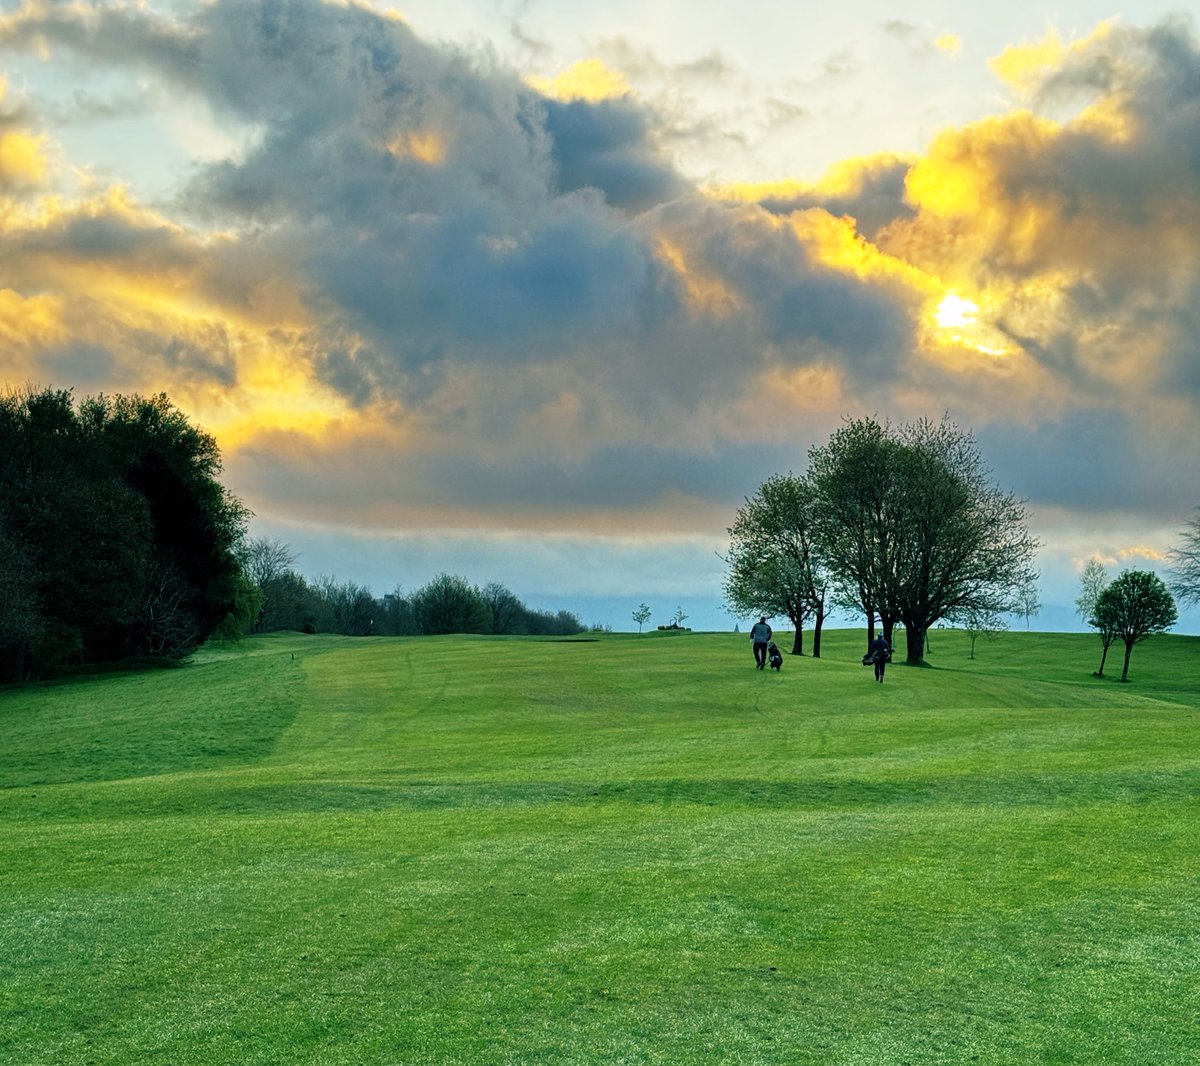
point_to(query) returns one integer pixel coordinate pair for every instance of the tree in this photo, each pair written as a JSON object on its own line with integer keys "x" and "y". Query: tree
{"x": 774, "y": 565}
{"x": 295, "y": 604}
{"x": 1092, "y": 582}
{"x": 979, "y": 623}
{"x": 449, "y": 604}
{"x": 1028, "y": 601}
{"x": 1135, "y": 606}
{"x": 678, "y": 618}
{"x": 503, "y": 608}
{"x": 641, "y": 615}
{"x": 912, "y": 528}
{"x": 1185, "y": 569}
{"x": 347, "y": 607}
{"x": 857, "y": 517}
{"x": 198, "y": 526}
{"x": 267, "y": 563}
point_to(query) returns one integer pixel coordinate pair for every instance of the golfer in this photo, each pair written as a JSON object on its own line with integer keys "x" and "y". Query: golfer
{"x": 760, "y": 634}
{"x": 880, "y": 651}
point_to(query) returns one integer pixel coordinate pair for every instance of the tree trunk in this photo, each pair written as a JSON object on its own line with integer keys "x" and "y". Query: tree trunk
{"x": 817, "y": 623}
{"x": 798, "y": 639}
{"x": 915, "y": 641}
{"x": 1125, "y": 668}
{"x": 870, "y": 627}
{"x": 1103, "y": 659}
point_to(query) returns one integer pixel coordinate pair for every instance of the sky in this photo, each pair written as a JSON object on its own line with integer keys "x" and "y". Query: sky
{"x": 539, "y": 292}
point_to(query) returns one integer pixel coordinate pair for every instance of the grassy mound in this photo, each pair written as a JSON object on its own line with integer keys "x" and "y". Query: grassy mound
{"x": 634, "y": 849}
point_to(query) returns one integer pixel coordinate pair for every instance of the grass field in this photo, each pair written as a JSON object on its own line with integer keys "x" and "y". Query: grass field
{"x": 633, "y": 849}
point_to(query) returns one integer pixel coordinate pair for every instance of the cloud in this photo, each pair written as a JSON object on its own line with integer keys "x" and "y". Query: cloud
{"x": 420, "y": 289}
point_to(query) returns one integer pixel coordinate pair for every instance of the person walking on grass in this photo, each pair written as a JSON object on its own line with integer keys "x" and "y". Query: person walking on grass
{"x": 880, "y": 651}
{"x": 760, "y": 634}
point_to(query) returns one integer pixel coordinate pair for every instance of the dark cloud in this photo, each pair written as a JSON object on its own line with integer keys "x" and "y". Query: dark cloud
{"x": 605, "y": 145}
{"x": 1096, "y": 462}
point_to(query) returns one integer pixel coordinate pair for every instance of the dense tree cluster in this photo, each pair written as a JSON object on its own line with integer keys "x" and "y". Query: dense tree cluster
{"x": 901, "y": 523}
{"x": 116, "y": 538}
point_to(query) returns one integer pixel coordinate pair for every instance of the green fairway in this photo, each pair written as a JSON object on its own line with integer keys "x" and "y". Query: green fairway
{"x": 625, "y": 850}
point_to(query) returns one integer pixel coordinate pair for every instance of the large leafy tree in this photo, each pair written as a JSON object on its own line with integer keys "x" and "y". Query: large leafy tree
{"x": 914, "y": 530}
{"x": 774, "y": 565}
{"x": 1135, "y": 606}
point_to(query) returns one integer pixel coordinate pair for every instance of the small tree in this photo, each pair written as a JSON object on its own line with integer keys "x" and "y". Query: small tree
{"x": 1092, "y": 582}
{"x": 641, "y": 615}
{"x": 1135, "y": 606}
{"x": 977, "y": 623}
{"x": 1185, "y": 569}
{"x": 1028, "y": 602}
{"x": 678, "y": 618}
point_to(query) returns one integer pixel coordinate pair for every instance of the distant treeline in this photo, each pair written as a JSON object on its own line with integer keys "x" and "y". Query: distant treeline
{"x": 448, "y": 604}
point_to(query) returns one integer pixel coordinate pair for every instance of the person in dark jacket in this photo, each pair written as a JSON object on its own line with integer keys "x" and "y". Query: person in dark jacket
{"x": 761, "y": 636}
{"x": 880, "y": 651}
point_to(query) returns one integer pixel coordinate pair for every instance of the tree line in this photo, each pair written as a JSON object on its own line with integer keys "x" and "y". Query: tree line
{"x": 118, "y": 541}
{"x": 447, "y": 604}
{"x": 900, "y": 523}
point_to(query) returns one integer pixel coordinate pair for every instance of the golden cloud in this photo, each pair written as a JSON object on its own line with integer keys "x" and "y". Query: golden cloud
{"x": 588, "y": 79}
{"x": 22, "y": 154}
{"x": 846, "y": 179}
{"x": 1024, "y": 66}
{"x": 22, "y": 160}
{"x": 703, "y": 289}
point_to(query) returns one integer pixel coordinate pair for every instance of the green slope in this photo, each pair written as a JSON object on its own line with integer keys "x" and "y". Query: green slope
{"x": 635, "y": 849}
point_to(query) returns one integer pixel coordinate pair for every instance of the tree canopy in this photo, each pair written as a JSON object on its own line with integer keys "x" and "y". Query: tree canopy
{"x": 116, "y": 538}
{"x": 914, "y": 530}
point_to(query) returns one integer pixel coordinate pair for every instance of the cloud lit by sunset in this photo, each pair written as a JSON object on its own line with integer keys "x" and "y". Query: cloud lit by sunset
{"x": 543, "y": 278}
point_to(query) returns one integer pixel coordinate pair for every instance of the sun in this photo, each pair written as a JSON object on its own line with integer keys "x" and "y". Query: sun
{"x": 955, "y": 312}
